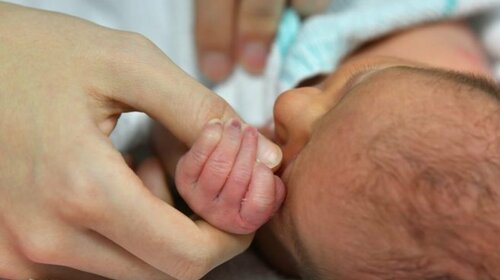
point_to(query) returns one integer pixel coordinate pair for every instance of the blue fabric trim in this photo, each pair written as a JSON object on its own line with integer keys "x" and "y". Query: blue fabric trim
{"x": 287, "y": 31}
{"x": 450, "y": 7}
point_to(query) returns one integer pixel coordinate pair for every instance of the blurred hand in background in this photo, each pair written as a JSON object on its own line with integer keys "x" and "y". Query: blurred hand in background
{"x": 230, "y": 32}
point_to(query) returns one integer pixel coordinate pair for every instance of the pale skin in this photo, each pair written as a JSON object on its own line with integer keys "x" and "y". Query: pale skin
{"x": 68, "y": 199}
{"x": 221, "y": 181}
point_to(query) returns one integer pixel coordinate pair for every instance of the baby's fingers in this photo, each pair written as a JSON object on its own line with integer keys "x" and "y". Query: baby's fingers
{"x": 218, "y": 167}
{"x": 265, "y": 194}
{"x": 191, "y": 165}
{"x": 238, "y": 181}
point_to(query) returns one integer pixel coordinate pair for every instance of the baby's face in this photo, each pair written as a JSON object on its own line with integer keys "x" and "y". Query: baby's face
{"x": 338, "y": 216}
{"x": 324, "y": 132}
{"x": 332, "y": 136}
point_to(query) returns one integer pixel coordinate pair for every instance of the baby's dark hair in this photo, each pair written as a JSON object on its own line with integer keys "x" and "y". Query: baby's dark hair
{"x": 444, "y": 177}
{"x": 436, "y": 180}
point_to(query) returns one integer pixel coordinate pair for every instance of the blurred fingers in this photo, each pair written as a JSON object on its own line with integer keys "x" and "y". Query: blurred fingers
{"x": 310, "y": 7}
{"x": 214, "y": 31}
{"x": 257, "y": 24}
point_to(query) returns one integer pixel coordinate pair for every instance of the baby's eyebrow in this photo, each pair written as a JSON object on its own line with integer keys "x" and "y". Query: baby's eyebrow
{"x": 477, "y": 82}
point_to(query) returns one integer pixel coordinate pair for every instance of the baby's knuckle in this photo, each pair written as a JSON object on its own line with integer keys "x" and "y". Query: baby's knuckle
{"x": 198, "y": 157}
{"x": 241, "y": 177}
{"x": 246, "y": 227}
{"x": 220, "y": 166}
{"x": 263, "y": 202}
{"x": 203, "y": 208}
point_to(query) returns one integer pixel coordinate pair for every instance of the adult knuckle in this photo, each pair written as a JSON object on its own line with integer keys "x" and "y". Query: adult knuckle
{"x": 82, "y": 201}
{"x": 128, "y": 48}
{"x": 138, "y": 40}
{"x": 44, "y": 247}
{"x": 212, "y": 106}
{"x": 193, "y": 266}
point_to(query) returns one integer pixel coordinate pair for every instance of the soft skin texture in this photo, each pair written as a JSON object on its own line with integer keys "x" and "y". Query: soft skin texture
{"x": 221, "y": 181}
{"x": 391, "y": 172}
{"x": 67, "y": 197}
{"x": 241, "y": 31}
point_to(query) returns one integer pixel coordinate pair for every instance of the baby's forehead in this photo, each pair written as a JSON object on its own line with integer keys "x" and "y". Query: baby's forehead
{"x": 403, "y": 93}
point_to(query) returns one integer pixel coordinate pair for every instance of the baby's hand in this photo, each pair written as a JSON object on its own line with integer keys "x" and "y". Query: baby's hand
{"x": 221, "y": 181}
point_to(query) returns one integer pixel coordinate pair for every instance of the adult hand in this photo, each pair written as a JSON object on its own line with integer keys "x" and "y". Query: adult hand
{"x": 67, "y": 197}
{"x": 240, "y": 31}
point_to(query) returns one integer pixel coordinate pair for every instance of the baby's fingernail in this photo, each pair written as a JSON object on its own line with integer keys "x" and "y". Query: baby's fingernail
{"x": 254, "y": 56}
{"x": 215, "y": 65}
{"x": 268, "y": 153}
{"x": 235, "y": 124}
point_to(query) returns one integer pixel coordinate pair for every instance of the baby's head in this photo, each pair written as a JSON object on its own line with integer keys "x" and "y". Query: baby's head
{"x": 392, "y": 173}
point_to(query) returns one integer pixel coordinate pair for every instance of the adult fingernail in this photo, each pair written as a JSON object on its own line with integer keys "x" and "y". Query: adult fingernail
{"x": 214, "y": 129}
{"x": 268, "y": 153}
{"x": 254, "y": 56}
{"x": 215, "y": 66}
